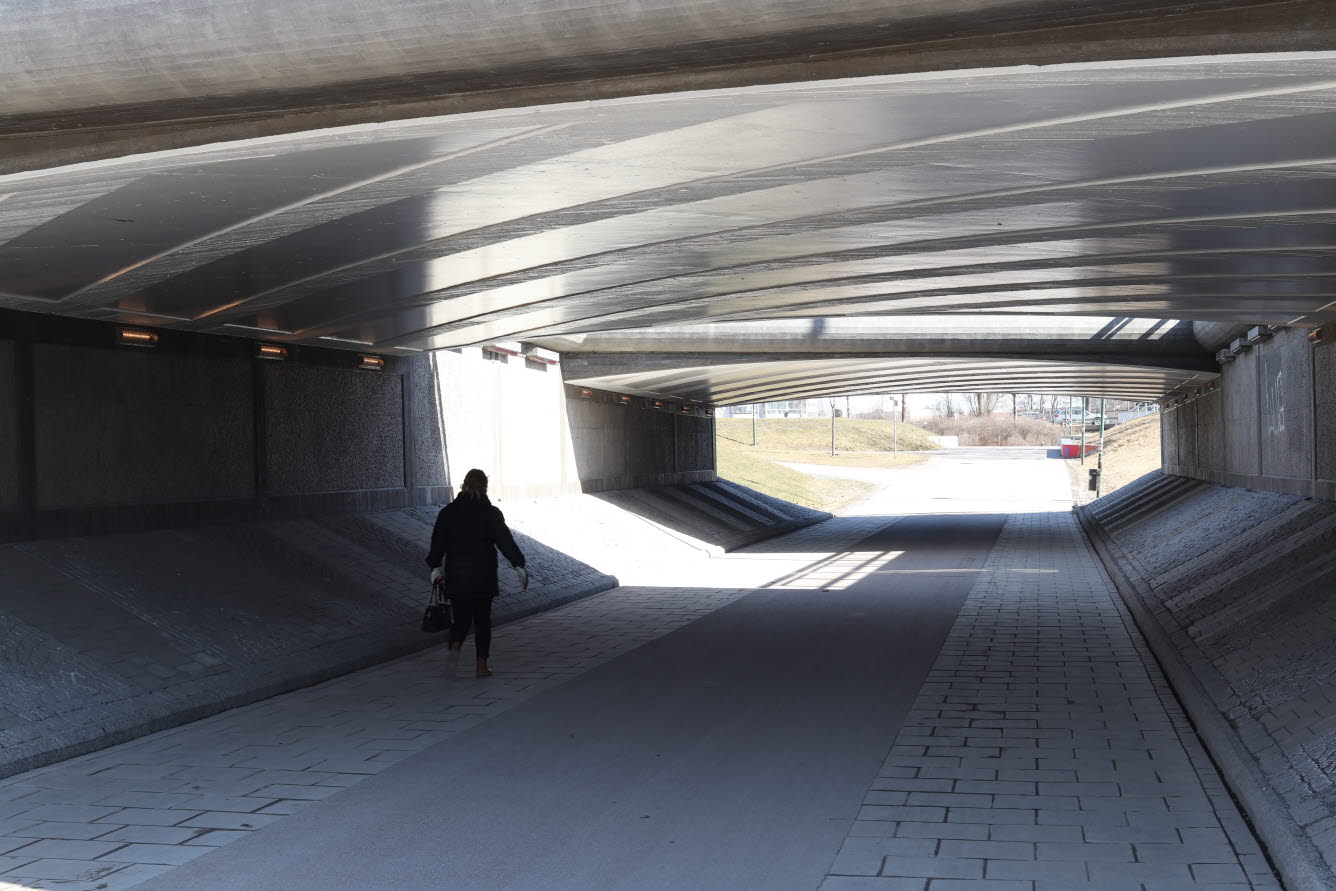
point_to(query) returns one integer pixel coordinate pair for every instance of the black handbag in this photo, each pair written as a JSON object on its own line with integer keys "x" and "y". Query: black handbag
{"x": 437, "y": 618}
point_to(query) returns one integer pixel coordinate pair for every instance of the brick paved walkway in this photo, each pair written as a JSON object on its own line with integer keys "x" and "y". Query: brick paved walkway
{"x": 1045, "y": 751}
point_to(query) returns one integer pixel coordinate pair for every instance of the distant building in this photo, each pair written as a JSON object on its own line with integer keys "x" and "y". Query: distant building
{"x": 793, "y": 408}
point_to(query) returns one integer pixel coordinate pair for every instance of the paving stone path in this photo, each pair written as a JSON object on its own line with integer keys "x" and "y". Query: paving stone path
{"x": 1045, "y": 752}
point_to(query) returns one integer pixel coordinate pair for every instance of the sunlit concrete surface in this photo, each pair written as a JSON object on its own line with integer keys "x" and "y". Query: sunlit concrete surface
{"x": 748, "y": 362}
{"x": 733, "y": 383}
{"x": 758, "y": 721}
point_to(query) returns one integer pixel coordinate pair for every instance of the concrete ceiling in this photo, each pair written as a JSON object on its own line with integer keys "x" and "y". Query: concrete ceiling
{"x": 1193, "y": 189}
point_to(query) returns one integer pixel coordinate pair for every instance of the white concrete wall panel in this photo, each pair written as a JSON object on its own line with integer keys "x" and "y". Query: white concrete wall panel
{"x": 506, "y": 418}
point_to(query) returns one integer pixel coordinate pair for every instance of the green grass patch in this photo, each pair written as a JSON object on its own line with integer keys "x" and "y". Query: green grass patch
{"x": 746, "y": 468}
{"x": 813, "y": 435}
{"x": 840, "y": 459}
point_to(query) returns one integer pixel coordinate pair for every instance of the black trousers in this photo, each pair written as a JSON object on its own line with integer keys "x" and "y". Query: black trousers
{"x": 475, "y": 612}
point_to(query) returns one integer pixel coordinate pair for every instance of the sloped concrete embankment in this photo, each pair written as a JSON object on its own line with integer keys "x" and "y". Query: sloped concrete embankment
{"x": 109, "y": 637}
{"x": 1234, "y": 590}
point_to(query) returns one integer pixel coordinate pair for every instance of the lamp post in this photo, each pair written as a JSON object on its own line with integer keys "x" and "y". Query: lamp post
{"x": 1099, "y": 475}
{"x": 895, "y": 429}
{"x": 1085, "y": 410}
{"x": 832, "y": 428}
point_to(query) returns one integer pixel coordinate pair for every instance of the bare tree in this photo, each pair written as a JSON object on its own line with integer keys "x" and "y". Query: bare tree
{"x": 945, "y": 406}
{"x": 981, "y": 405}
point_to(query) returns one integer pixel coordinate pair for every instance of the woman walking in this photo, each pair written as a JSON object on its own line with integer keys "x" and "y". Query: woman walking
{"x": 468, "y": 533}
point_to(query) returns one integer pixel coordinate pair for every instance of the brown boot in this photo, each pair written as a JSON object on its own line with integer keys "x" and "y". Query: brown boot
{"x": 483, "y": 670}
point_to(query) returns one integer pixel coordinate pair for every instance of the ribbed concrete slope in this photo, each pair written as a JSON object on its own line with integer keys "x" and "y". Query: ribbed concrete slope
{"x": 1239, "y": 586}
{"x": 719, "y": 516}
{"x": 105, "y": 638}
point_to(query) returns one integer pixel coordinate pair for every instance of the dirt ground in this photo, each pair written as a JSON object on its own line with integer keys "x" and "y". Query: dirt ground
{"x": 1131, "y": 450}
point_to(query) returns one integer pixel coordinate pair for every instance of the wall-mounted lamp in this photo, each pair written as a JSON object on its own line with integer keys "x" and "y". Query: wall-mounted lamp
{"x": 1258, "y": 334}
{"x": 1224, "y": 357}
{"x": 503, "y": 348}
{"x": 271, "y": 351}
{"x": 709, "y": 412}
{"x": 136, "y": 337}
{"x": 1210, "y": 385}
{"x": 1316, "y": 335}
{"x": 658, "y": 403}
{"x": 1238, "y": 345}
{"x": 686, "y": 409}
{"x": 538, "y": 354}
{"x": 586, "y": 393}
{"x": 623, "y": 400}
{"x": 373, "y": 363}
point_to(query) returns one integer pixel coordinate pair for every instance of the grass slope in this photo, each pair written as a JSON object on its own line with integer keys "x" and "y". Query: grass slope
{"x": 813, "y": 434}
{"x": 742, "y": 466}
{"x": 807, "y": 441}
{"x": 1130, "y": 451}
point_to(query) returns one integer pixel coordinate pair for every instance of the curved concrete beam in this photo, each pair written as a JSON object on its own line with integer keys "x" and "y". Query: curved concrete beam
{"x": 756, "y": 382}
{"x": 89, "y": 80}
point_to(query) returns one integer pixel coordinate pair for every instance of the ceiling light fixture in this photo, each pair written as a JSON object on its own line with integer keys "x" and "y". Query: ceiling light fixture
{"x": 136, "y": 337}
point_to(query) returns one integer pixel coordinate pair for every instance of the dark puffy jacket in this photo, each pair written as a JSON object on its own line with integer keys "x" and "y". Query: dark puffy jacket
{"x": 468, "y": 533}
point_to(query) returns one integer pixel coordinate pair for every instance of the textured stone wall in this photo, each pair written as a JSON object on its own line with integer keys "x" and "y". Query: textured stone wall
{"x": 627, "y": 446}
{"x": 331, "y": 429}
{"x": 132, "y": 426}
{"x": 9, "y": 441}
{"x": 197, "y": 430}
{"x": 1267, "y": 425}
{"x": 426, "y": 427}
{"x": 1241, "y": 583}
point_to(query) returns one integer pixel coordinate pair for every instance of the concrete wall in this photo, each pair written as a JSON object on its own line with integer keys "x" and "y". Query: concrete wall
{"x": 128, "y": 426}
{"x": 349, "y": 420}
{"x": 104, "y": 438}
{"x": 9, "y": 426}
{"x": 621, "y": 446}
{"x": 502, "y": 414}
{"x": 1270, "y": 424}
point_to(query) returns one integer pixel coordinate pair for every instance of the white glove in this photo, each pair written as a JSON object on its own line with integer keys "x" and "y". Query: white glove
{"x": 524, "y": 577}
{"x": 436, "y": 575}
